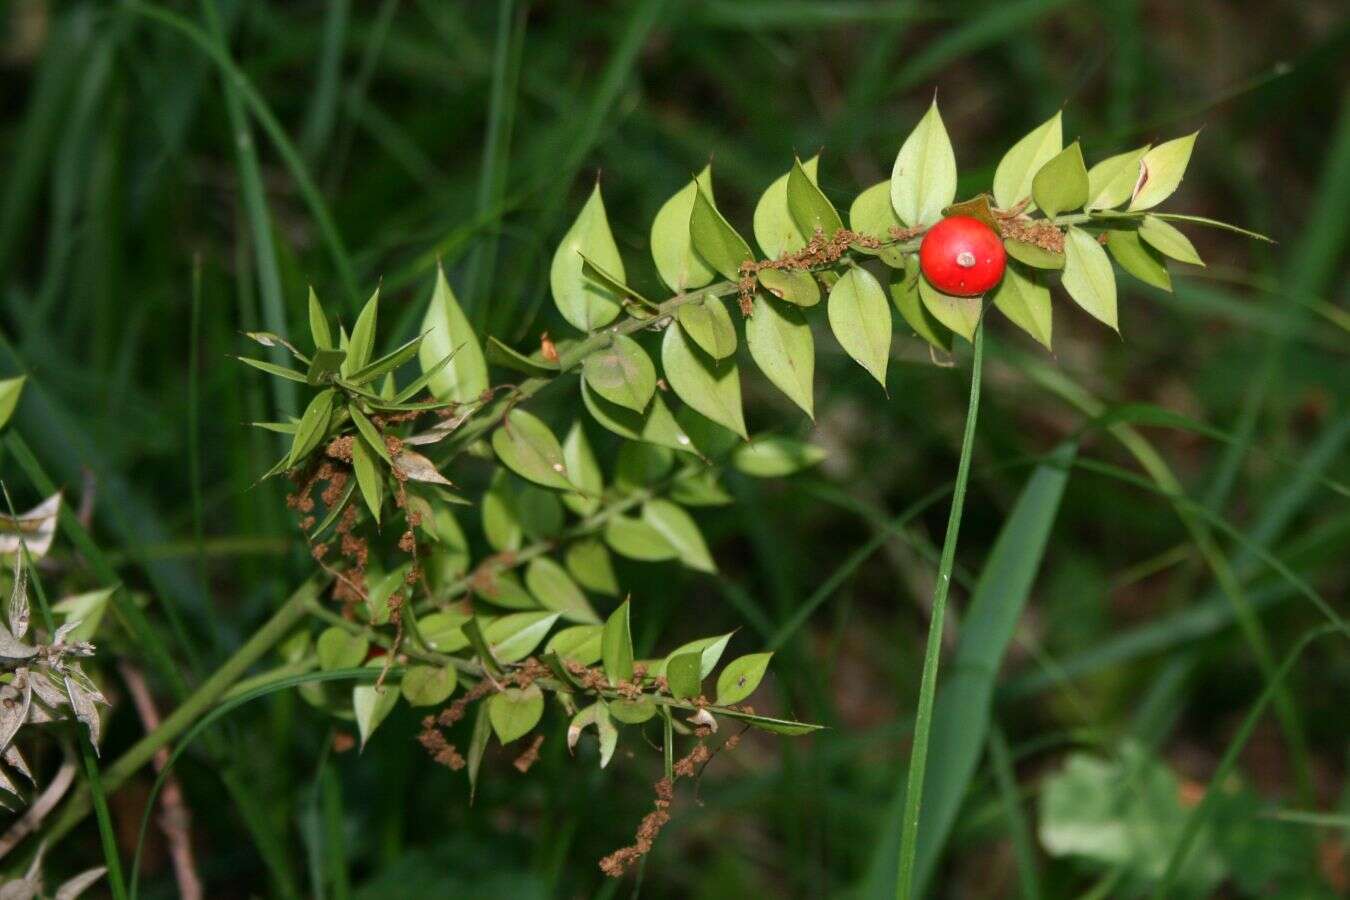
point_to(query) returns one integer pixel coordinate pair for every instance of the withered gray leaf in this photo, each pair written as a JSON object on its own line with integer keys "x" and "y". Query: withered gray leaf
{"x": 417, "y": 467}
{"x": 18, "y": 599}
{"x": 77, "y": 885}
{"x": 15, "y": 700}
{"x": 37, "y": 528}
{"x": 86, "y": 710}
{"x": 18, "y": 763}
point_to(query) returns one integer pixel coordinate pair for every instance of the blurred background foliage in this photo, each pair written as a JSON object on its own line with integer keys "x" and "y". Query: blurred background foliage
{"x": 471, "y": 133}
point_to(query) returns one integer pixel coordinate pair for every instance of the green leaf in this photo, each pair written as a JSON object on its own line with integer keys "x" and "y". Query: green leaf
{"x": 369, "y": 432}
{"x": 702, "y": 488}
{"x": 325, "y": 366}
{"x": 781, "y": 345}
{"x": 339, "y": 649}
{"x": 683, "y": 676}
{"x": 715, "y": 240}
{"x": 637, "y": 539}
{"x": 905, "y": 296}
{"x": 1213, "y": 223}
{"x": 960, "y": 314}
{"x": 87, "y": 609}
{"x": 1026, "y": 303}
{"x": 527, "y": 447}
{"x": 861, "y": 320}
{"x": 515, "y": 711}
{"x": 368, "y": 476}
{"x": 597, "y": 273}
{"x": 709, "y": 324}
{"x": 811, "y": 210}
{"x": 1061, "y": 185}
{"x": 776, "y": 229}
{"x": 617, "y": 646}
{"x": 10, "y": 391}
{"x": 923, "y": 180}
{"x": 361, "y": 344}
{"x": 770, "y": 724}
{"x": 1013, "y": 177}
{"x": 589, "y": 562}
{"x": 797, "y": 286}
{"x": 504, "y": 589}
{"x": 1031, "y": 255}
{"x": 379, "y": 588}
{"x": 709, "y": 650}
{"x": 583, "y": 303}
{"x": 679, "y": 266}
{"x": 640, "y": 465}
{"x": 274, "y": 369}
{"x": 514, "y": 637}
{"x": 1168, "y": 240}
{"x": 478, "y": 742}
{"x": 680, "y": 530}
{"x": 444, "y": 631}
{"x": 318, "y": 324}
{"x": 554, "y": 589}
{"x": 372, "y": 704}
{"x": 501, "y": 355}
{"x": 583, "y": 471}
{"x": 775, "y": 456}
{"x": 872, "y": 214}
{"x": 447, "y": 333}
{"x": 1088, "y": 277}
{"x": 1161, "y": 171}
{"x": 632, "y": 712}
{"x": 740, "y": 678}
{"x": 622, "y": 373}
{"x": 1137, "y": 258}
{"x": 428, "y": 685}
{"x": 1112, "y": 181}
{"x": 655, "y": 425}
{"x": 579, "y": 643}
{"x": 313, "y": 427}
{"x": 710, "y": 386}
{"x": 712, "y": 441}
{"x": 598, "y": 715}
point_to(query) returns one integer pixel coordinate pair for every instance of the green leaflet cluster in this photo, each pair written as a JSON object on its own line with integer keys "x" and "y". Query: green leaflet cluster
{"x": 510, "y": 610}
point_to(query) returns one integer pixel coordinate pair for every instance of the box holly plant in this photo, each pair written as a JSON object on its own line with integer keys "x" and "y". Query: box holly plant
{"x": 489, "y": 640}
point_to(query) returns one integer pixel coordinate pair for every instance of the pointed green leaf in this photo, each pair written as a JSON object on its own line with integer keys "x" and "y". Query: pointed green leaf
{"x": 1139, "y": 259}
{"x": 655, "y": 425}
{"x": 1061, "y": 185}
{"x": 444, "y": 631}
{"x": 1013, "y": 177}
{"x": 740, "y": 678}
{"x": 1161, "y": 171}
{"x": 1026, "y": 303}
{"x": 781, "y": 345}
{"x": 313, "y": 427}
{"x": 10, "y": 391}
{"x": 1088, "y": 277}
{"x": 448, "y": 334}
{"x": 776, "y": 230}
{"x": 872, "y": 214}
{"x": 478, "y": 742}
{"x": 515, "y": 711}
{"x": 617, "y": 646}
{"x": 709, "y": 324}
{"x": 583, "y": 471}
{"x": 1168, "y": 240}
{"x": 905, "y": 295}
{"x": 501, "y": 355}
{"x": 527, "y": 447}
{"x": 318, "y": 324}
{"x": 579, "y": 643}
{"x": 505, "y": 590}
{"x": 680, "y": 530}
{"x": 598, "y": 715}
{"x": 797, "y": 286}
{"x": 368, "y": 476}
{"x": 811, "y": 210}
{"x": 369, "y": 432}
{"x": 637, "y": 539}
{"x": 386, "y": 365}
{"x": 711, "y": 386}
{"x": 596, "y": 272}
{"x": 274, "y": 369}
{"x": 583, "y": 303}
{"x": 372, "y": 705}
{"x": 632, "y": 712}
{"x": 709, "y": 649}
{"x": 554, "y": 589}
{"x": 712, "y": 441}
{"x": 715, "y": 240}
{"x": 339, "y": 649}
{"x": 679, "y": 266}
{"x": 959, "y": 314}
{"x": 683, "y": 677}
{"x": 640, "y": 465}
{"x": 589, "y": 562}
{"x": 860, "y": 318}
{"x": 1112, "y": 181}
{"x": 428, "y": 685}
{"x": 1031, "y": 255}
{"x": 361, "y": 344}
{"x": 923, "y": 180}
{"x": 514, "y": 637}
{"x": 775, "y": 456}
{"x": 622, "y": 373}
{"x": 702, "y": 488}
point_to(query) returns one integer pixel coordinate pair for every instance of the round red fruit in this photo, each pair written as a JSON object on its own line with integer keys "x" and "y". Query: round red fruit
{"x": 962, "y": 256}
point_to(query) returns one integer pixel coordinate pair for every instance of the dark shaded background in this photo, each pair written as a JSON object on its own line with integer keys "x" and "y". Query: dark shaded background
{"x": 471, "y": 132}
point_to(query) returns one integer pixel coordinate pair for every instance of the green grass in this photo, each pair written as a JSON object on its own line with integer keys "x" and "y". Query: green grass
{"x": 178, "y": 173}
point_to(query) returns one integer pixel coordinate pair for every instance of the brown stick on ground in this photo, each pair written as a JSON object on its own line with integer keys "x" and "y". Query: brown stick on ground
{"x": 175, "y": 819}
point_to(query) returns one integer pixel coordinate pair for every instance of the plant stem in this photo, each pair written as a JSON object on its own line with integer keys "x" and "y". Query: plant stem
{"x": 923, "y": 720}
{"x": 211, "y": 690}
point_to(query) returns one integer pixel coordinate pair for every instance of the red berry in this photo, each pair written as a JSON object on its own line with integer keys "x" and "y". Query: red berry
{"x": 962, "y": 256}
